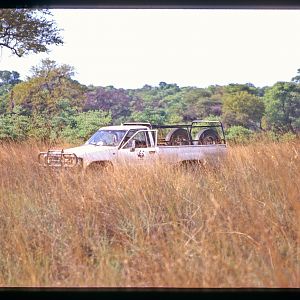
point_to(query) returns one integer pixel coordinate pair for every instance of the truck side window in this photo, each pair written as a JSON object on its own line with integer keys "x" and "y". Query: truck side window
{"x": 140, "y": 141}
{"x": 130, "y": 133}
{"x": 147, "y": 139}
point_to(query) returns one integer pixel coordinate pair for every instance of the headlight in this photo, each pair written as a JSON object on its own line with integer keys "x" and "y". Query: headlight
{"x": 69, "y": 160}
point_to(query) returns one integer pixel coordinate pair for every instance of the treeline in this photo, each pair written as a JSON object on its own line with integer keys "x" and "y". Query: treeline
{"x": 51, "y": 105}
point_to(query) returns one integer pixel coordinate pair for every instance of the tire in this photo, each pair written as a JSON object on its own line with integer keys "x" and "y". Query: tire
{"x": 190, "y": 167}
{"x": 208, "y": 137}
{"x": 99, "y": 167}
{"x": 178, "y": 136}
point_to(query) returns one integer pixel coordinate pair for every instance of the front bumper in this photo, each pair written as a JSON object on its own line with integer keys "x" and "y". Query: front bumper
{"x": 59, "y": 159}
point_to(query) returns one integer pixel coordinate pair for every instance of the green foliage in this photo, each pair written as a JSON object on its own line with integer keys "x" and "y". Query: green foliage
{"x": 272, "y": 136}
{"x": 50, "y": 105}
{"x": 238, "y": 134}
{"x": 49, "y": 85}
{"x": 282, "y": 102}
{"x": 50, "y": 98}
{"x": 297, "y": 77}
{"x": 53, "y": 126}
{"x": 242, "y": 109}
{"x": 192, "y": 103}
{"x": 7, "y": 81}
{"x": 117, "y": 101}
{"x": 174, "y": 119}
{"x": 234, "y": 88}
{"x": 24, "y": 31}
{"x": 158, "y": 116}
{"x": 268, "y": 136}
{"x": 14, "y": 127}
{"x": 4, "y": 103}
{"x": 156, "y": 104}
{"x": 213, "y": 118}
{"x": 9, "y": 78}
{"x": 288, "y": 137}
{"x": 84, "y": 124}
{"x": 40, "y": 127}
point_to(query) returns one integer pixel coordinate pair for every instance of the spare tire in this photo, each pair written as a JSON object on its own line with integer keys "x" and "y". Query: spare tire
{"x": 207, "y": 137}
{"x": 178, "y": 136}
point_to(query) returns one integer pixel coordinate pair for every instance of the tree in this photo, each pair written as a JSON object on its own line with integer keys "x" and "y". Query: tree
{"x": 197, "y": 104}
{"x": 238, "y": 134}
{"x": 26, "y": 30}
{"x": 233, "y": 88}
{"x": 154, "y": 116}
{"x": 7, "y": 77}
{"x": 297, "y": 77}
{"x": 7, "y": 81}
{"x": 49, "y": 85}
{"x": 117, "y": 101}
{"x": 85, "y": 124}
{"x": 13, "y": 127}
{"x": 50, "y": 98}
{"x": 282, "y": 102}
{"x": 243, "y": 109}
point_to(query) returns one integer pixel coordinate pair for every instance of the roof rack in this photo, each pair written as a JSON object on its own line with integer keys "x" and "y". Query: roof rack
{"x": 138, "y": 123}
{"x": 206, "y": 121}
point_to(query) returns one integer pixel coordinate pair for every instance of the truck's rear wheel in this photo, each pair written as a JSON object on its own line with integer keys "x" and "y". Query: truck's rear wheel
{"x": 178, "y": 136}
{"x": 207, "y": 137}
{"x": 190, "y": 165}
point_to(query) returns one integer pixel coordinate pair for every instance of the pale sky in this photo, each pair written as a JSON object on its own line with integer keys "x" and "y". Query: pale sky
{"x": 132, "y": 47}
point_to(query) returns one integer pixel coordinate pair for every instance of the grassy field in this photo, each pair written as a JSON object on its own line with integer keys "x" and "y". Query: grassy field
{"x": 237, "y": 226}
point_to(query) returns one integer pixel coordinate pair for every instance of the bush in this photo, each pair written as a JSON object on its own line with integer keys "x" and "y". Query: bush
{"x": 39, "y": 128}
{"x": 238, "y": 134}
{"x": 265, "y": 137}
{"x": 273, "y": 136}
{"x": 85, "y": 124}
{"x": 288, "y": 137}
{"x": 14, "y": 127}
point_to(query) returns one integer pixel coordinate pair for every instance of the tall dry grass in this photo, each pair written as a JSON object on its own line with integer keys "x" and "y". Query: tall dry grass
{"x": 237, "y": 226}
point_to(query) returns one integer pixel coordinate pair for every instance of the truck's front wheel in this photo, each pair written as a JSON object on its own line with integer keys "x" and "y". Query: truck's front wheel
{"x": 99, "y": 167}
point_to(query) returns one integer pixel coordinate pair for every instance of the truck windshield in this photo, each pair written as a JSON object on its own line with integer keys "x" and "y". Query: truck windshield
{"x": 106, "y": 138}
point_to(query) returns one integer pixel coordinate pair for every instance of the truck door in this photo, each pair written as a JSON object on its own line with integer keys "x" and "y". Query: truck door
{"x": 140, "y": 148}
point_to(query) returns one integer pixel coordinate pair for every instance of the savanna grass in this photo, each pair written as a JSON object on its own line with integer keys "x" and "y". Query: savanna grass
{"x": 234, "y": 226}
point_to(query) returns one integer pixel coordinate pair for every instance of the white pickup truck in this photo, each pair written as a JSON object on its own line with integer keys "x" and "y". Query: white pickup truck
{"x": 142, "y": 143}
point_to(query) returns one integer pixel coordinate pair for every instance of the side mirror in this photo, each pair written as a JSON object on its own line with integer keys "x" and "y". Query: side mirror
{"x": 132, "y": 148}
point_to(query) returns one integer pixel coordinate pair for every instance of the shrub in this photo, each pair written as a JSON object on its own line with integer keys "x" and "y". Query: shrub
{"x": 84, "y": 124}
{"x": 238, "y": 134}
{"x": 288, "y": 137}
{"x": 13, "y": 127}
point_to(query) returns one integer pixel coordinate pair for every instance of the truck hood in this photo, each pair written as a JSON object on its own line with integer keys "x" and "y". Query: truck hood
{"x": 85, "y": 151}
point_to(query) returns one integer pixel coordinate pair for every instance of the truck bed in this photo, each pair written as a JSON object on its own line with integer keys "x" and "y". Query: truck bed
{"x": 192, "y": 152}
